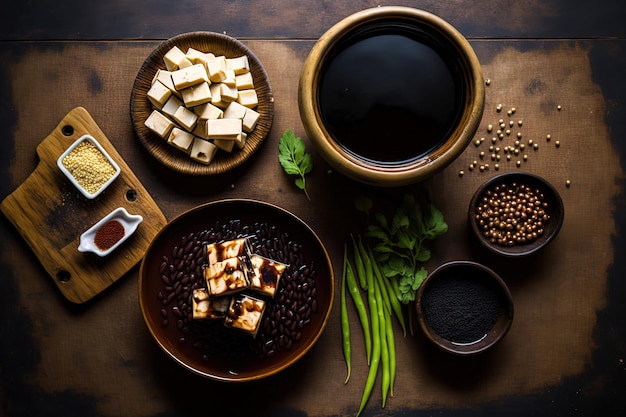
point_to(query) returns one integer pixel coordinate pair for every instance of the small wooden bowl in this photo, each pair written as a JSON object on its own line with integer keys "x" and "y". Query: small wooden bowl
{"x": 140, "y": 106}
{"x": 464, "y": 307}
{"x": 554, "y": 209}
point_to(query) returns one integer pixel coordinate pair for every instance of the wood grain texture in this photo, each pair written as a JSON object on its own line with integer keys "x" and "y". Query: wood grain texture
{"x": 51, "y": 215}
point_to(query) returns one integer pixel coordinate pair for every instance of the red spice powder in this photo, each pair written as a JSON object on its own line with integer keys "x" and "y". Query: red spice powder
{"x": 109, "y": 234}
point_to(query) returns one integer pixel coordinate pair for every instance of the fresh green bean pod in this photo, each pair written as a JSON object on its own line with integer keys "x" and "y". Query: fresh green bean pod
{"x": 345, "y": 321}
{"x": 358, "y": 263}
{"x": 384, "y": 349}
{"x": 376, "y": 353}
{"x": 391, "y": 345}
{"x": 389, "y": 294}
{"x": 367, "y": 263}
{"x": 359, "y": 304}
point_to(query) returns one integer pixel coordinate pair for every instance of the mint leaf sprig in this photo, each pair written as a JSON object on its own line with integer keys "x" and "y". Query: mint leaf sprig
{"x": 294, "y": 159}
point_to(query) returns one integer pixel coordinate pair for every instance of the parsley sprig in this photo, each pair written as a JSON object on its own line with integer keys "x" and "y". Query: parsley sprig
{"x": 400, "y": 241}
{"x": 294, "y": 159}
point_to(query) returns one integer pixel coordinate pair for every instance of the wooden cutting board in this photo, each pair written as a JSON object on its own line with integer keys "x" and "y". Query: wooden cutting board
{"x": 51, "y": 214}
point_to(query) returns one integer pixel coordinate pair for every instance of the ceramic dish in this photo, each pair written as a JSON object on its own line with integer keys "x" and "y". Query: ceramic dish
{"x": 70, "y": 176}
{"x": 174, "y": 265}
{"x": 549, "y": 228}
{"x": 113, "y": 236}
{"x": 140, "y": 106}
{"x": 464, "y": 307}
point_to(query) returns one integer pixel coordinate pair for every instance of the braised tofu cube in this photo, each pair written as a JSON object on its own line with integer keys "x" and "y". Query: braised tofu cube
{"x": 245, "y": 313}
{"x": 205, "y": 307}
{"x": 227, "y": 276}
{"x": 265, "y": 275}
{"x": 220, "y": 251}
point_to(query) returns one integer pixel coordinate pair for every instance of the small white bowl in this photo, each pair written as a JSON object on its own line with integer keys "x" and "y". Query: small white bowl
{"x": 71, "y": 177}
{"x": 129, "y": 221}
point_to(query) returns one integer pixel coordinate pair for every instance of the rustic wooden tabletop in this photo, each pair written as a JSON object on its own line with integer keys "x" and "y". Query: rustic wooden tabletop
{"x": 559, "y": 63}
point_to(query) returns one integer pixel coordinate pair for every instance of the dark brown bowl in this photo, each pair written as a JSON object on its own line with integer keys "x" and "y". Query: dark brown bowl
{"x": 551, "y": 227}
{"x": 464, "y": 307}
{"x": 211, "y": 349}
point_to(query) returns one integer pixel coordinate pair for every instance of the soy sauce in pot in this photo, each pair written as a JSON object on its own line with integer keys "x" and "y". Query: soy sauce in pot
{"x": 389, "y": 97}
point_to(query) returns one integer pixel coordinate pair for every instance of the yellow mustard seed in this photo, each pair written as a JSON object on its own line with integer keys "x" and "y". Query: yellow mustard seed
{"x": 88, "y": 166}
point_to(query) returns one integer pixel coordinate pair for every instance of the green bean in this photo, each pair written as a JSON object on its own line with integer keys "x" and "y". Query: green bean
{"x": 376, "y": 353}
{"x": 392, "y": 352}
{"x": 379, "y": 278}
{"x": 358, "y": 263}
{"x": 345, "y": 322}
{"x": 396, "y": 306}
{"x": 367, "y": 263}
{"x": 355, "y": 293}
{"x": 384, "y": 349}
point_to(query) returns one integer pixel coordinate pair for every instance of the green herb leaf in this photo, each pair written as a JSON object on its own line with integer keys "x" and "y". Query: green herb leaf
{"x": 294, "y": 159}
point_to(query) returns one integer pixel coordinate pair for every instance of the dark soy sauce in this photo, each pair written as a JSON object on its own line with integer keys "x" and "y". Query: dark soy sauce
{"x": 390, "y": 97}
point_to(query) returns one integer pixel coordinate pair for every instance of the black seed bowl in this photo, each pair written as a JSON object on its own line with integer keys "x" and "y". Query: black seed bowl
{"x": 464, "y": 307}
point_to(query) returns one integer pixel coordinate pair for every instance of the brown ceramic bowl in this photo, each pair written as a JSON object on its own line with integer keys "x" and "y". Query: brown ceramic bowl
{"x": 464, "y": 307}
{"x": 206, "y": 346}
{"x": 391, "y": 95}
{"x": 550, "y": 228}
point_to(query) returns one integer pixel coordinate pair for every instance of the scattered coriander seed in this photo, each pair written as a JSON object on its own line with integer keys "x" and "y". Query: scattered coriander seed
{"x": 511, "y": 123}
{"x": 548, "y": 137}
{"x": 518, "y": 163}
{"x": 497, "y": 149}
{"x": 530, "y": 141}
{"x": 494, "y": 140}
{"x": 482, "y": 155}
{"x": 501, "y": 121}
{"x": 558, "y": 107}
{"x": 567, "y": 183}
{"x": 517, "y": 142}
{"x": 519, "y": 123}
{"x": 497, "y": 157}
{"x": 471, "y": 167}
{"x": 516, "y": 151}
{"x": 502, "y": 126}
{"x": 512, "y": 109}
{"x": 557, "y": 143}
{"x": 519, "y": 135}
{"x": 488, "y": 81}
{"x": 508, "y": 157}
{"x": 508, "y": 132}
{"x": 482, "y": 140}
{"x": 499, "y": 132}
{"x": 499, "y": 108}
{"x": 522, "y": 146}
{"x": 509, "y": 112}
{"x": 525, "y": 157}
{"x": 482, "y": 168}
{"x": 477, "y": 142}
{"x": 497, "y": 167}
{"x": 461, "y": 173}
{"x": 493, "y": 156}
{"x": 489, "y": 128}
{"x": 501, "y": 135}
{"x": 536, "y": 146}
{"x": 491, "y": 148}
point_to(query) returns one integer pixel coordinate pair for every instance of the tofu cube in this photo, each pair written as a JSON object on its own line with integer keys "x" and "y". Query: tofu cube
{"x": 165, "y": 77}
{"x": 202, "y": 151}
{"x": 216, "y": 68}
{"x": 265, "y": 275}
{"x": 225, "y": 277}
{"x": 220, "y": 251}
{"x": 187, "y": 77}
{"x": 175, "y": 59}
{"x": 250, "y": 120}
{"x": 171, "y": 106}
{"x": 228, "y": 93}
{"x": 235, "y": 110}
{"x": 225, "y": 144}
{"x": 248, "y": 98}
{"x": 196, "y": 94}
{"x": 239, "y": 65}
{"x": 227, "y": 129}
{"x": 204, "y": 307}
{"x": 186, "y": 118}
{"x": 216, "y": 96}
{"x": 244, "y": 81}
{"x": 159, "y": 124}
{"x": 181, "y": 139}
{"x": 245, "y": 313}
{"x": 158, "y": 94}
{"x": 208, "y": 111}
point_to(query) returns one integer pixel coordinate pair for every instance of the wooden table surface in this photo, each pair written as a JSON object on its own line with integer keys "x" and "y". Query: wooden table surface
{"x": 565, "y": 352}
